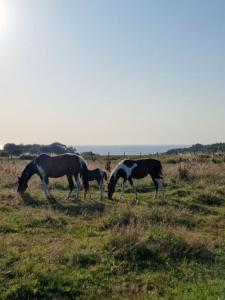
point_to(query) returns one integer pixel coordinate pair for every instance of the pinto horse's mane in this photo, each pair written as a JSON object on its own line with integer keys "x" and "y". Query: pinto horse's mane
{"x": 112, "y": 176}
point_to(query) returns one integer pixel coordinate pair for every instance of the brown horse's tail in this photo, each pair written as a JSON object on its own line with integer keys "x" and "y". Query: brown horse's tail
{"x": 84, "y": 174}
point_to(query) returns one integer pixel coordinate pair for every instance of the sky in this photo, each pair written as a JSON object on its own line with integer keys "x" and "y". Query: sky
{"x": 112, "y": 72}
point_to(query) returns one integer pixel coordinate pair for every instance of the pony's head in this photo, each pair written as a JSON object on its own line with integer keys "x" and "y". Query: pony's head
{"x": 111, "y": 188}
{"x": 22, "y": 184}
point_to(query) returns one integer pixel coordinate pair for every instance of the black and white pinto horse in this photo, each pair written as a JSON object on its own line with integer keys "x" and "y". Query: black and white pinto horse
{"x": 46, "y": 166}
{"x": 99, "y": 175}
{"x": 135, "y": 169}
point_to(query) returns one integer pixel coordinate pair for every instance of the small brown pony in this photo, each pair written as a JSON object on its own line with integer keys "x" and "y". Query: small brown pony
{"x": 46, "y": 166}
{"x": 99, "y": 175}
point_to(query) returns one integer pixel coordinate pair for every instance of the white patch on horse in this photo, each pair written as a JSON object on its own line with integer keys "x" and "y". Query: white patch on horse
{"x": 115, "y": 170}
{"x": 42, "y": 173}
{"x": 81, "y": 161}
{"x": 127, "y": 170}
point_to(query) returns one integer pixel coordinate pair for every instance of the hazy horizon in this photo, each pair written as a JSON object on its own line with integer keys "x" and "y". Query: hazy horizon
{"x": 111, "y": 73}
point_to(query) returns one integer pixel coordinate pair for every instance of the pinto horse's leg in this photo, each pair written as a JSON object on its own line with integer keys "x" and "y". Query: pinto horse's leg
{"x": 160, "y": 184}
{"x": 71, "y": 185}
{"x": 133, "y": 188}
{"x": 123, "y": 188}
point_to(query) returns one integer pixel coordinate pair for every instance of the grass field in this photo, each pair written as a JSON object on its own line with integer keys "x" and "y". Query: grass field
{"x": 171, "y": 248}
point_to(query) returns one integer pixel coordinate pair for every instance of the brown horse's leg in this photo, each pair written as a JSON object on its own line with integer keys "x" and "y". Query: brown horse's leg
{"x": 123, "y": 188}
{"x": 44, "y": 186}
{"x": 44, "y": 180}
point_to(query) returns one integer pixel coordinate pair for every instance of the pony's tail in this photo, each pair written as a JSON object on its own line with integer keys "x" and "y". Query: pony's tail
{"x": 84, "y": 174}
{"x": 105, "y": 176}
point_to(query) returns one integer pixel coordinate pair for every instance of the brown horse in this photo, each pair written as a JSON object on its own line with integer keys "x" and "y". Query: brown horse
{"x": 99, "y": 175}
{"x": 46, "y": 166}
{"x": 129, "y": 169}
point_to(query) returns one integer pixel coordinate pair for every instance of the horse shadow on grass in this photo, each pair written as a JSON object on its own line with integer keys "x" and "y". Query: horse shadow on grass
{"x": 192, "y": 206}
{"x": 31, "y": 201}
{"x": 75, "y": 209}
{"x": 78, "y": 208}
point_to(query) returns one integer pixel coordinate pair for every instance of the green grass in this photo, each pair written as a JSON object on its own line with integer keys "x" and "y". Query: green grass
{"x": 171, "y": 248}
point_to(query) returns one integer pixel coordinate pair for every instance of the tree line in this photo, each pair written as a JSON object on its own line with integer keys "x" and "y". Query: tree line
{"x": 212, "y": 148}
{"x": 11, "y": 149}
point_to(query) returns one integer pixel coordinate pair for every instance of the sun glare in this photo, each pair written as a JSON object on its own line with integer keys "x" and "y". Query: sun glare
{"x": 4, "y": 16}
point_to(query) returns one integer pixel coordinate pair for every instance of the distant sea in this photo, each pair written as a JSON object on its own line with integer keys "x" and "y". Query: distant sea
{"x": 128, "y": 149}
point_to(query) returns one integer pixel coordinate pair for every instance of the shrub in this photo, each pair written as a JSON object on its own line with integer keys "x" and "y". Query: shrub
{"x": 175, "y": 247}
{"x": 118, "y": 219}
{"x": 183, "y": 172}
{"x": 216, "y": 160}
{"x": 84, "y": 260}
{"x": 210, "y": 199}
{"x": 128, "y": 246}
{"x": 27, "y": 157}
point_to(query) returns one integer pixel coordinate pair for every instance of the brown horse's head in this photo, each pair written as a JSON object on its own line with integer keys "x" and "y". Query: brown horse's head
{"x": 22, "y": 185}
{"x": 29, "y": 170}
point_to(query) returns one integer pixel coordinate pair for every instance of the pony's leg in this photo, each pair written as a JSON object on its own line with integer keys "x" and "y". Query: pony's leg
{"x": 123, "y": 188}
{"x": 133, "y": 188}
{"x": 88, "y": 192}
{"x": 101, "y": 189}
{"x": 78, "y": 187}
{"x": 71, "y": 185}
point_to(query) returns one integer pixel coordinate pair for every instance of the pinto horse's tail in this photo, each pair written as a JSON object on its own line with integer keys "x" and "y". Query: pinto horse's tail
{"x": 84, "y": 174}
{"x": 160, "y": 174}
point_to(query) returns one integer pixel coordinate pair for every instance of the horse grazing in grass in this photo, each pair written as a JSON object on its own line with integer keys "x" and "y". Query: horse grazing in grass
{"x": 135, "y": 169}
{"x": 46, "y": 166}
{"x": 99, "y": 175}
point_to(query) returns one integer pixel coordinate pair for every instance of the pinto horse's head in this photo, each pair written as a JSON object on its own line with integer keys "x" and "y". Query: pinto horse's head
{"x": 22, "y": 185}
{"x": 111, "y": 189}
